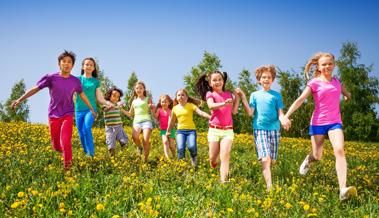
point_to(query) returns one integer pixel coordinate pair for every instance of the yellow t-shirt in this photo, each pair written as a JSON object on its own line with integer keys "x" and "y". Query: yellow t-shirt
{"x": 184, "y": 115}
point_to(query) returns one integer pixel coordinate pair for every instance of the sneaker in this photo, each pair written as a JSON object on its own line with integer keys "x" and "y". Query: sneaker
{"x": 304, "y": 167}
{"x": 111, "y": 152}
{"x": 213, "y": 164}
{"x": 347, "y": 193}
{"x": 194, "y": 161}
{"x": 140, "y": 150}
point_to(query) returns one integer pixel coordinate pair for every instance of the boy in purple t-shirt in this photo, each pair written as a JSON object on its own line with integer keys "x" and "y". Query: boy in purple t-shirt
{"x": 62, "y": 86}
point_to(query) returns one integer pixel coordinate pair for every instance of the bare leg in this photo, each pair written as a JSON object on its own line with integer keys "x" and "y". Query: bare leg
{"x": 337, "y": 139}
{"x": 225, "y": 148}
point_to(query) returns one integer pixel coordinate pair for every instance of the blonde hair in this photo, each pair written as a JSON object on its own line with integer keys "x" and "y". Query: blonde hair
{"x": 189, "y": 99}
{"x": 312, "y": 64}
{"x": 266, "y": 68}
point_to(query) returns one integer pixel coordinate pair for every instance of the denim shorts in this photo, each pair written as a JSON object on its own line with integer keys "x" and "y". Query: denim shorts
{"x": 323, "y": 129}
{"x": 144, "y": 125}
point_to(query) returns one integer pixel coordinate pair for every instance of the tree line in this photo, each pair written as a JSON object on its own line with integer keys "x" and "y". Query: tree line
{"x": 359, "y": 117}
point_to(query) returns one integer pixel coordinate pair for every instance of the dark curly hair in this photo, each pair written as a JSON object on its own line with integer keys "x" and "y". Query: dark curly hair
{"x": 109, "y": 93}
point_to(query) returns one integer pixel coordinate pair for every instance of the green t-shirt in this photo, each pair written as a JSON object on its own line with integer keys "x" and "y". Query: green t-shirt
{"x": 89, "y": 87}
{"x": 141, "y": 110}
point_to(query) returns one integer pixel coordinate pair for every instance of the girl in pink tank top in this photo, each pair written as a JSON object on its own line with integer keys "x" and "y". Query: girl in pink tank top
{"x": 162, "y": 113}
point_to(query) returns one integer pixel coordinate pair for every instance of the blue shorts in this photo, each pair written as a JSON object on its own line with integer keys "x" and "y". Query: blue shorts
{"x": 323, "y": 129}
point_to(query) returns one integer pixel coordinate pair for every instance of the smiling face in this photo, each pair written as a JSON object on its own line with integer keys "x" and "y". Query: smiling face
{"x": 216, "y": 82}
{"x": 88, "y": 66}
{"x": 326, "y": 65}
{"x": 181, "y": 97}
{"x": 66, "y": 64}
{"x": 139, "y": 89}
{"x": 164, "y": 103}
{"x": 115, "y": 97}
{"x": 266, "y": 80}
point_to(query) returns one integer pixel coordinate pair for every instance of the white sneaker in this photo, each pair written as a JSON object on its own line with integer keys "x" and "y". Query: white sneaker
{"x": 304, "y": 167}
{"x": 347, "y": 193}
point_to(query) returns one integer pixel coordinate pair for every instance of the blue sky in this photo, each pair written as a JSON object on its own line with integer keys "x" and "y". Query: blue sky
{"x": 162, "y": 40}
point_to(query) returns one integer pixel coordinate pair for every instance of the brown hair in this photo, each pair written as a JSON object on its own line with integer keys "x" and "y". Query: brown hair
{"x": 190, "y": 99}
{"x": 165, "y": 96}
{"x": 202, "y": 85}
{"x": 266, "y": 68}
{"x": 312, "y": 64}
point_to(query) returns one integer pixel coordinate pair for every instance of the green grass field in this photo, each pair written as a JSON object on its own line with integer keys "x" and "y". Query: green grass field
{"x": 34, "y": 184}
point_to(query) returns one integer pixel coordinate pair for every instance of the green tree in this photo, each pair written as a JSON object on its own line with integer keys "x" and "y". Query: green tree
{"x": 21, "y": 113}
{"x": 242, "y": 121}
{"x": 292, "y": 85}
{"x": 358, "y": 114}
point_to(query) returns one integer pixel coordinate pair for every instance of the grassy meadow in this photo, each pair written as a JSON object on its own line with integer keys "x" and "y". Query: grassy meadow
{"x": 34, "y": 184}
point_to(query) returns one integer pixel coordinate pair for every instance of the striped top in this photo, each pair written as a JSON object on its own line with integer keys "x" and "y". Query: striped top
{"x": 112, "y": 117}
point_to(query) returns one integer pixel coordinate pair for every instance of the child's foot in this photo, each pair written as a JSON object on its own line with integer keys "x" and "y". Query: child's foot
{"x": 304, "y": 167}
{"x": 213, "y": 164}
{"x": 140, "y": 150}
{"x": 111, "y": 152}
{"x": 194, "y": 161}
{"x": 347, "y": 193}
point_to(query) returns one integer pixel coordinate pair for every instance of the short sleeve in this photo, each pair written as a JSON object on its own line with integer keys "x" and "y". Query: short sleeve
{"x": 311, "y": 84}
{"x": 193, "y": 107}
{"x": 209, "y": 95}
{"x": 280, "y": 101}
{"x": 252, "y": 102}
{"x": 97, "y": 84}
{"x": 79, "y": 87}
{"x": 44, "y": 82}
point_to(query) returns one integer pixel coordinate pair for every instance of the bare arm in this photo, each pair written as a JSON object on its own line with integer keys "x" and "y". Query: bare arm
{"x": 171, "y": 123}
{"x": 100, "y": 98}
{"x": 202, "y": 113}
{"x": 286, "y": 123}
{"x": 248, "y": 109}
{"x": 127, "y": 113}
{"x": 155, "y": 113}
{"x": 236, "y": 104}
{"x": 298, "y": 102}
{"x": 346, "y": 94}
{"x": 212, "y": 105}
{"x": 29, "y": 93}
{"x": 86, "y": 101}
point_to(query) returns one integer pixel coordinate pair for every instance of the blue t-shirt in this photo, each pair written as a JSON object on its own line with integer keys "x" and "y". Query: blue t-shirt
{"x": 266, "y": 105}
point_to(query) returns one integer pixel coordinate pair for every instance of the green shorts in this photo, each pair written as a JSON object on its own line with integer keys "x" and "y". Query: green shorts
{"x": 216, "y": 135}
{"x": 163, "y": 132}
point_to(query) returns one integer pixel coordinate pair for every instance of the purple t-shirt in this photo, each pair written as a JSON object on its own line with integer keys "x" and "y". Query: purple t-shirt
{"x": 223, "y": 115}
{"x": 326, "y": 96}
{"x": 61, "y": 93}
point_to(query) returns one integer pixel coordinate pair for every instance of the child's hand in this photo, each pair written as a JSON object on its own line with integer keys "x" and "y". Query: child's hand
{"x": 15, "y": 103}
{"x": 229, "y": 101}
{"x": 152, "y": 106}
{"x": 286, "y": 123}
{"x": 94, "y": 114}
{"x": 168, "y": 133}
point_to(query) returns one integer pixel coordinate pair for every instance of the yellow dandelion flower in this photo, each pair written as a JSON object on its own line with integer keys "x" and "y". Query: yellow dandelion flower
{"x": 230, "y": 210}
{"x": 100, "y": 207}
{"x": 115, "y": 216}
{"x": 288, "y": 205}
{"x": 312, "y": 215}
{"x": 306, "y": 207}
{"x": 15, "y": 204}
{"x": 20, "y": 194}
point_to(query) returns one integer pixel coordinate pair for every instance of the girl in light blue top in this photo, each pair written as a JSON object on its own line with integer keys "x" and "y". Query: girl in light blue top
{"x": 83, "y": 116}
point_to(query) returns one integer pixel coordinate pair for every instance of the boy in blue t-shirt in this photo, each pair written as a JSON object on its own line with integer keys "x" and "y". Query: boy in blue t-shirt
{"x": 266, "y": 107}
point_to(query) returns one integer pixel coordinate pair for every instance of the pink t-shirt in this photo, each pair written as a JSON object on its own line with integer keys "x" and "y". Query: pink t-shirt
{"x": 326, "y": 96}
{"x": 223, "y": 115}
{"x": 163, "y": 118}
